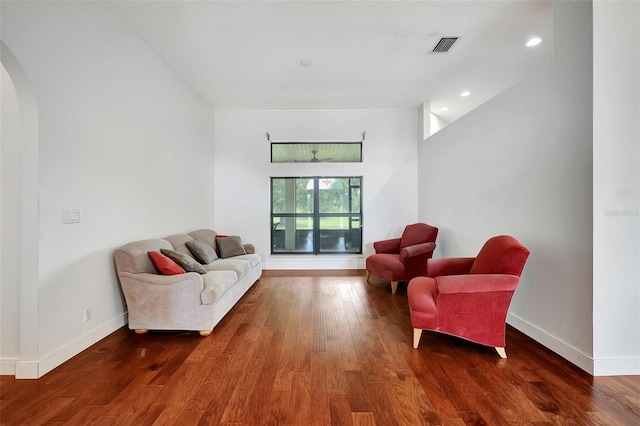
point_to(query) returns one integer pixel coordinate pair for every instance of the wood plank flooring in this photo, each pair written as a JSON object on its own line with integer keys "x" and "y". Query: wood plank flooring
{"x": 316, "y": 351}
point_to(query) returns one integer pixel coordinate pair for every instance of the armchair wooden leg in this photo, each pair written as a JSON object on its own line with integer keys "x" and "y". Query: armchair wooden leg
{"x": 367, "y": 274}
{"x": 141, "y": 331}
{"x": 205, "y": 333}
{"x": 501, "y": 352}
{"x": 394, "y": 287}
{"x": 417, "y": 332}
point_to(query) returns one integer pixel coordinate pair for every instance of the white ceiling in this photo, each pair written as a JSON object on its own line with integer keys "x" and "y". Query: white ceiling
{"x": 363, "y": 54}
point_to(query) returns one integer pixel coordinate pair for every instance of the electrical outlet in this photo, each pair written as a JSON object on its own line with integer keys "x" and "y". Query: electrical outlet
{"x": 88, "y": 314}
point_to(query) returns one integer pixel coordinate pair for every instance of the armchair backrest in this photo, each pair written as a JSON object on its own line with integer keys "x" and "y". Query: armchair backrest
{"x": 418, "y": 233}
{"x": 500, "y": 255}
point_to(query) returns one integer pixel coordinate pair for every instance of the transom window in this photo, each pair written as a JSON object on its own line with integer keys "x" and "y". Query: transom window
{"x": 316, "y": 152}
{"x": 316, "y": 214}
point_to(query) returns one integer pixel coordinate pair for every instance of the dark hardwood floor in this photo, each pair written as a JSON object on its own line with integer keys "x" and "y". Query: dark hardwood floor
{"x": 316, "y": 350}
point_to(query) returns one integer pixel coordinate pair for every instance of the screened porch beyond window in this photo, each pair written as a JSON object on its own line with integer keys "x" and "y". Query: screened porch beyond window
{"x": 316, "y": 215}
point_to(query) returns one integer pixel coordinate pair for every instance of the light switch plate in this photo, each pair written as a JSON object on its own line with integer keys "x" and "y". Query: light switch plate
{"x": 71, "y": 216}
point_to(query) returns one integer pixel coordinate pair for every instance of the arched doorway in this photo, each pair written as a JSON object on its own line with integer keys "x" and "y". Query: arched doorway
{"x": 19, "y": 221}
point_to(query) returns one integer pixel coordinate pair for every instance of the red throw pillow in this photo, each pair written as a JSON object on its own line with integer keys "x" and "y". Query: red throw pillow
{"x": 164, "y": 265}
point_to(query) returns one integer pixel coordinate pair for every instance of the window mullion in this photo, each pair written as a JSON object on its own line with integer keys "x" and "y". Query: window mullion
{"x": 316, "y": 215}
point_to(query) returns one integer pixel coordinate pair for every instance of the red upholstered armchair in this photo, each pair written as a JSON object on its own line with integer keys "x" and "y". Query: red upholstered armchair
{"x": 400, "y": 259}
{"x": 469, "y": 297}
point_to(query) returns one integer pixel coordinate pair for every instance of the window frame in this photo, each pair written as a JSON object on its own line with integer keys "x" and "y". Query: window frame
{"x": 314, "y": 151}
{"x": 316, "y": 216}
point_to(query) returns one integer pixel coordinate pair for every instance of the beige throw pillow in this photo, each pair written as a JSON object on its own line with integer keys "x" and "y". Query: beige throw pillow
{"x": 187, "y": 262}
{"x": 202, "y": 251}
{"x": 230, "y": 246}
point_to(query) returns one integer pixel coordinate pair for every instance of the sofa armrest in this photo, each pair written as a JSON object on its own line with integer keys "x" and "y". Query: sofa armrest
{"x": 416, "y": 250}
{"x": 162, "y": 302}
{"x": 387, "y": 246}
{"x": 161, "y": 280}
{"x": 449, "y": 266}
{"x": 143, "y": 288}
{"x": 476, "y": 283}
{"x": 249, "y": 248}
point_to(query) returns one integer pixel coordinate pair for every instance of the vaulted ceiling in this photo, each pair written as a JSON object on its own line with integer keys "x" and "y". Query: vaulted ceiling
{"x": 345, "y": 54}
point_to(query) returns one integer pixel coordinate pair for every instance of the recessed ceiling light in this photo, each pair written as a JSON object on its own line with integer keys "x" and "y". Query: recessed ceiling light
{"x": 443, "y": 109}
{"x": 465, "y": 93}
{"x": 534, "y": 41}
{"x": 305, "y": 63}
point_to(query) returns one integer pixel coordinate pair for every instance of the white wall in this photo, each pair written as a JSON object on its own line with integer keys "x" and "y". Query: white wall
{"x": 521, "y": 164}
{"x": 123, "y": 139}
{"x": 243, "y": 169}
{"x": 9, "y": 224}
{"x": 616, "y": 187}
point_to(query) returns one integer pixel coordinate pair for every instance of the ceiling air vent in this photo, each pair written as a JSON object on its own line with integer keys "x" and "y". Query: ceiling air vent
{"x": 444, "y": 44}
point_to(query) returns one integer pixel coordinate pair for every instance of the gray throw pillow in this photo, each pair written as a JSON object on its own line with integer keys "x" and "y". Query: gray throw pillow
{"x": 230, "y": 246}
{"x": 202, "y": 251}
{"x": 187, "y": 262}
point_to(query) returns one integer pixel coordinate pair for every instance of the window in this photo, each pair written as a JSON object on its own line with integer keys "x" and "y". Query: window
{"x": 316, "y": 152}
{"x": 316, "y": 215}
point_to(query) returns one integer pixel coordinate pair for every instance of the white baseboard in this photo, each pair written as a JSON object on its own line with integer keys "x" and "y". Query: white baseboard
{"x": 356, "y": 261}
{"x": 35, "y": 370}
{"x": 8, "y": 366}
{"x": 563, "y": 349}
{"x": 617, "y": 366}
{"x": 27, "y": 370}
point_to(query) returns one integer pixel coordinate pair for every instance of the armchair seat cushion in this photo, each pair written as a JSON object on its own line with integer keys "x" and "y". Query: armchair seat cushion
{"x": 386, "y": 265}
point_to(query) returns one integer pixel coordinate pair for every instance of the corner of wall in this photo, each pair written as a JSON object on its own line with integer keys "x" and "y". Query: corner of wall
{"x": 26, "y": 370}
{"x": 37, "y": 369}
{"x": 629, "y": 366}
{"x": 552, "y": 343}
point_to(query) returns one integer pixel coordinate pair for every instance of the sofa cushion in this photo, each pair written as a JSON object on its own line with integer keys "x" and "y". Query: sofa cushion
{"x": 206, "y": 235}
{"x": 253, "y": 259}
{"x": 230, "y": 246}
{"x": 202, "y": 251}
{"x": 239, "y": 266}
{"x": 179, "y": 242}
{"x": 187, "y": 262}
{"x": 216, "y": 283}
{"x": 164, "y": 265}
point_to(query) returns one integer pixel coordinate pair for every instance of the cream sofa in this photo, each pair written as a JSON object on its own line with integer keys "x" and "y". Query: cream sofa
{"x": 190, "y": 301}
